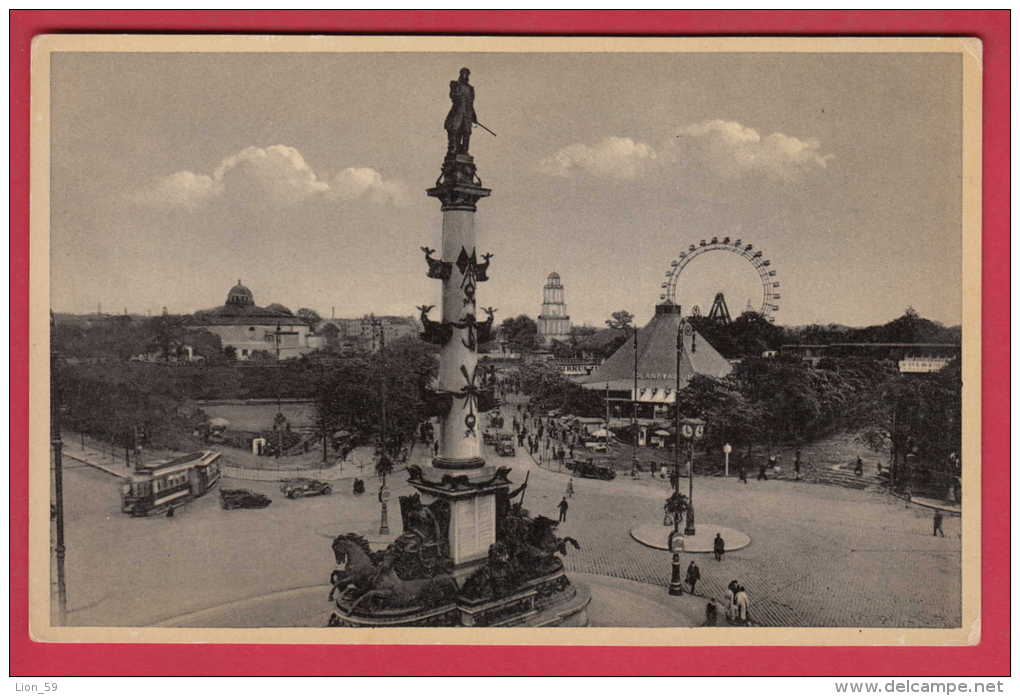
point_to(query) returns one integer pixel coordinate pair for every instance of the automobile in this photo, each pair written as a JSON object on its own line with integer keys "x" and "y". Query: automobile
{"x": 589, "y": 468}
{"x": 234, "y": 498}
{"x": 304, "y": 487}
{"x": 505, "y": 448}
{"x": 596, "y": 446}
{"x": 489, "y": 436}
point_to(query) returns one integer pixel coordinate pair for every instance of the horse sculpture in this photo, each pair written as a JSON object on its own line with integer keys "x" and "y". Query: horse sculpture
{"x": 363, "y": 576}
{"x": 527, "y": 551}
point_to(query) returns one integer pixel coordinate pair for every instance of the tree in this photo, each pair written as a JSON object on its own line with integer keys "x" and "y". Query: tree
{"x": 276, "y": 307}
{"x": 309, "y": 316}
{"x": 520, "y": 332}
{"x": 331, "y": 334}
{"x": 620, "y": 320}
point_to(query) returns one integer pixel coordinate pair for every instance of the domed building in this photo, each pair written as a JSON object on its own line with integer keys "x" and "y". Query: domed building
{"x": 251, "y": 329}
{"x": 553, "y": 321}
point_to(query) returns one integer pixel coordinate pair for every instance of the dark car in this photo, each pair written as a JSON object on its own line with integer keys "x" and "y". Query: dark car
{"x": 592, "y": 469}
{"x": 303, "y": 487}
{"x": 234, "y": 498}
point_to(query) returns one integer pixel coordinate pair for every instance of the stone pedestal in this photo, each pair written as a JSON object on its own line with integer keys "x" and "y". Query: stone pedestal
{"x": 474, "y": 498}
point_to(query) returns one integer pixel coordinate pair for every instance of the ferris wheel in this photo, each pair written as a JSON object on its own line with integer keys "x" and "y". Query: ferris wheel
{"x": 769, "y": 280}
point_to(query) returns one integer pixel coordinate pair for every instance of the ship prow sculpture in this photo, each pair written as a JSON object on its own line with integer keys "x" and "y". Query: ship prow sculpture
{"x": 470, "y": 553}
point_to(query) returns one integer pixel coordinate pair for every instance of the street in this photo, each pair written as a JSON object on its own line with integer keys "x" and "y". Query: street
{"x": 819, "y": 555}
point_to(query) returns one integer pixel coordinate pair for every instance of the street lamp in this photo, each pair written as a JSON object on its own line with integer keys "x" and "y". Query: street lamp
{"x": 690, "y": 429}
{"x": 57, "y": 444}
{"x": 384, "y": 496}
{"x": 726, "y": 454}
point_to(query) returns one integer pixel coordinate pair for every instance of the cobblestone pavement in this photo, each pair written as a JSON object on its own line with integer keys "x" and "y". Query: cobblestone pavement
{"x": 819, "y": 555}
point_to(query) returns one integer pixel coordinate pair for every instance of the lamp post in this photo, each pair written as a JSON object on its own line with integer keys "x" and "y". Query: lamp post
{"x": 57, "y": 443}
{"x": 726, "y": 455}
{"x": 690, "y": 429}
{"x": 384, "y": 496}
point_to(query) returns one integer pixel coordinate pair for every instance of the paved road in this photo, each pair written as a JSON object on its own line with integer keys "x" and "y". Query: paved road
{"x": 819, "y": 555}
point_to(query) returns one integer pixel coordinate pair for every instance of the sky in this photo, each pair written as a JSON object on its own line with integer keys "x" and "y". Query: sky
{"x": 304, "y": 175}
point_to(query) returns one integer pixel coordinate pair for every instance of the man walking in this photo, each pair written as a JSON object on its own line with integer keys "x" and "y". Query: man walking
{"x": 718, "y": 546}
{"x": 570, "y": 487}
{"x": 796, "y": 465}
{"x": 563, "y": 506}
{"x": 937, "y": 524}
{"x": 693, "y": 575}
{"x": 743, "y": 474}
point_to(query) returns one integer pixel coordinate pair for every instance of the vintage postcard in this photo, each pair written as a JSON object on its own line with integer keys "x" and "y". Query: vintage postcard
{"x": 477, "y": 340}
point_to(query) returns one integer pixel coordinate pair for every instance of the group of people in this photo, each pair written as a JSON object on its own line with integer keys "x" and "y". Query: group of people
{"x": 737, "y": 608}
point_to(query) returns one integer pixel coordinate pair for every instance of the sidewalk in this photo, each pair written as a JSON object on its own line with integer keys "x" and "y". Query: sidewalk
{"x": 95, "y": 459}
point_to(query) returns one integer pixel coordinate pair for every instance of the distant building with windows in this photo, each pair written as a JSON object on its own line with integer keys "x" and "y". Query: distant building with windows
{"x": 250, "y": 329}
{"x": 366, "y": 333}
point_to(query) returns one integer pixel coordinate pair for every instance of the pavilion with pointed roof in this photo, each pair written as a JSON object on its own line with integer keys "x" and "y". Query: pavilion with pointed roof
{"x": 657, "y": 364}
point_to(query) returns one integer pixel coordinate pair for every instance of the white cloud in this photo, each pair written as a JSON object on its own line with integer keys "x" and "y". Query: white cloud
{"x": 277, "y": 175}
{"x": 363, "y": 182}
{"x": 180, "y": 190}
{"x": 733, "y": 150}
{"x": 614, "y": 158}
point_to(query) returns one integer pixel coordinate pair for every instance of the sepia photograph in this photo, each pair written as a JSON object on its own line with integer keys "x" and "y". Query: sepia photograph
{"x": 608, "y": 341}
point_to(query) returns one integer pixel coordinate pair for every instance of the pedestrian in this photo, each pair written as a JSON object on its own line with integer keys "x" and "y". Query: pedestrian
{"x": 435, "y": 448}
{"x": 761, "y": 471}
{"x": 743, "y": 605}
{"x": 693, "y": 575}
{"x": 859, "y": 467}
{"x": 563, "y": 506}
{"x": 718, "y": 546}
{"x": 170, "y": 512}
{"x": 711, "y": 613}
{"x": 796, "y": 464}
{"x": 743, "y": 474}
{"x": 570, "y": 487}
{"x": 937, "y": 524}
{"x": 571, "y": 450}
{"x": 731, "y": 604}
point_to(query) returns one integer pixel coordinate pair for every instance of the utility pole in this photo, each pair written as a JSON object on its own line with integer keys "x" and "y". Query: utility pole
{"x": 633, "y": 412}
{"x": 58, "y": 471}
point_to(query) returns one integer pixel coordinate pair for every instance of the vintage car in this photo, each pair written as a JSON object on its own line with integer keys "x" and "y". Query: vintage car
{"x": 234, "y": 498}
{"x": 589, "y": 468}
{"x": 303, "y": 487}
{"x": 489, "y": 436}
{"x": 505, "y": 448}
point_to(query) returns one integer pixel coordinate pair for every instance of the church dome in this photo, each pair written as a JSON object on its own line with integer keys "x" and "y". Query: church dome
{"x": 240, "y": 295}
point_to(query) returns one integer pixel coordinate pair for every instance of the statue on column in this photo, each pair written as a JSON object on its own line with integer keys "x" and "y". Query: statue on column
{"x": 462, "y": 116}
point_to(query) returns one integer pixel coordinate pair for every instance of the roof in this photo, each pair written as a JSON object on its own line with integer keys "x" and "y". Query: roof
{"x": 236, "y": 314}
{"x": 657, "y": 359}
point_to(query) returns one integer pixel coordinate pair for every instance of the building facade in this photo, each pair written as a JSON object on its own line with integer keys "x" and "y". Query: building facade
{"x": 365, "y": 333}
{"x": 256, "y": 331}
{"x": 553, "y": 321}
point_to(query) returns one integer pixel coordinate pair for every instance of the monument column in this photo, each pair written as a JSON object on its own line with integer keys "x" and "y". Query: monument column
{"x": 459, "y": 190}
{"x": 458, "y": 476}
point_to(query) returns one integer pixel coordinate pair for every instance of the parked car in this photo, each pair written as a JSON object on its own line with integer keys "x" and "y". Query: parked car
{"x": 589, "y": 468}
{"x": 489, "y": 436}
{"x": 304, "y": 487}
{"x": 505, "y": 448}
{"x": 234, "y": 498}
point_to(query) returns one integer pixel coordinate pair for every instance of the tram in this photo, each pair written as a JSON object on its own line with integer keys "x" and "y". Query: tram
{"x": 158, "y": 486}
